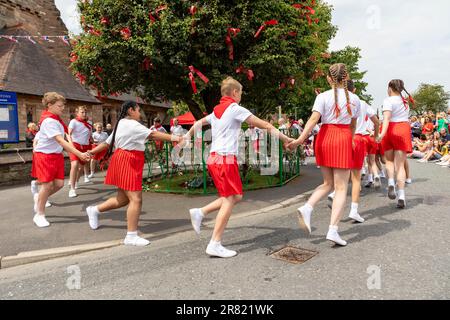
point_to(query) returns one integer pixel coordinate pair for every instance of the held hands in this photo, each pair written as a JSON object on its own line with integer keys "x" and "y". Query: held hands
{"x": 294, "y": 144}
{"x": 85, "y": 156}
{"x": 379, "y": 138}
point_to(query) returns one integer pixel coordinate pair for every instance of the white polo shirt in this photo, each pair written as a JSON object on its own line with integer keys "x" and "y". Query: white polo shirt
{"x": 366, "y": 112}
{"x": 46, "y": 142}
{"x": 225, "y": 131}
{"x": 325, "y": 105}
{"x": 399, "y": 112}
{"x": 130, "y": 135}
{"x": 80, "y": 133}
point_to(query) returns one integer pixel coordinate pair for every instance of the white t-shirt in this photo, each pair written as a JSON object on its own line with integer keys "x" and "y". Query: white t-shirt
{"x": 365, "y": 113}
{"x": 46, "y": 142}
{"x": 396, "y": 106}
{"x": 80, "y": 133}
{"x": 99, "y": 137}
{"x": 130, "y": 135}
{"x": 225, "y": 131}
{"x": 177, "y": 130}
{"x": 325, "y": 105}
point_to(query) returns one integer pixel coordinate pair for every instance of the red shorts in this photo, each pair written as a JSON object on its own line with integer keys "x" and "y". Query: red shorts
{"x": 398, "y": 137}
{"x": 333, "y": 146}
{"x": 81, "y": 148}
{"x": 359, "y": 152}
{"x": 47, "y": 167}
{"x": 224, "y": 171}
{"x": 125, "y": 170}
{"x": 99, "y": 156}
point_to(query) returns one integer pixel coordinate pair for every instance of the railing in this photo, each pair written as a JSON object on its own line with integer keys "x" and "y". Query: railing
{"x": 262, "y": 164}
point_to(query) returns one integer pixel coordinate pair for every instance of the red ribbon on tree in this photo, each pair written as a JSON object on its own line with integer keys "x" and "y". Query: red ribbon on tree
{"x": 157, "y": 10}
{"x": 317, "y": 91}
{"x": 125, "y": 33}
{"x": 81, "y": 77}
{"x": 104, "y": 21}
{"x": 97, "y": 70}
{"x": 232, "y": 32}
{"x": 267, "y": 23}
{"x": 248, "y": 72}
{"x": 147, "y": 64}
{"x": 193, "y": 10}
{"x": 309, "y": 13}
{"x": 73, "y": 57}
{"x": 192, "y": 73}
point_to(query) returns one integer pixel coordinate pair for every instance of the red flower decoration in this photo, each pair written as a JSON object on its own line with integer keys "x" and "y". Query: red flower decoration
{"x": 104, "y": 21}
{"x": 125, "y": 33}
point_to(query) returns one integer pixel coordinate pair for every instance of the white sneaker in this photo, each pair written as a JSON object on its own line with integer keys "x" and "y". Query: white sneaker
{"x": 135, "y": 241}
{"x": 72, "y": 193}
{"x": 304, "y": 218}
{"x": 91, "y": 175}
{"x": 333, "y": 236}
{"x": 48, "y": 204}
{"x": 34, "y": 187}
{"x": 408, "y": 181}
{"x": 355, "y": 216}
{"x": 76, "y": 185}
{"x": 40, "y": 221}
{"x": 217, "y": 250}
{"x": 377, "y": 183}
{"x": 93, "y": 217}
{"x": 86, "y": 179}
{"x": 444, "y": 164}
{"x": 196, "y": 219}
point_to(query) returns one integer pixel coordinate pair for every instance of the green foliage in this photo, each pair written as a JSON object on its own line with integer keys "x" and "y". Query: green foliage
{"x": 177, "y": 39}
{"x": 430, "y": 97}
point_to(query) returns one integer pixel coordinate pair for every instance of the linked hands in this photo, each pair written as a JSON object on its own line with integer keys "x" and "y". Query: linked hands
{"x": 292, "y": 145}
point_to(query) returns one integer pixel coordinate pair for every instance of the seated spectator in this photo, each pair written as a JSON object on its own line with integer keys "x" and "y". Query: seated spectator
{"x": 416, "y": 127}
{"x": 428, "y": 126}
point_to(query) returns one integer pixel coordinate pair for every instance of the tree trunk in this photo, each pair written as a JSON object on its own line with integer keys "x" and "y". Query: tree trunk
{"x": 195, "y": 109}
{"x": 211, "y": 98}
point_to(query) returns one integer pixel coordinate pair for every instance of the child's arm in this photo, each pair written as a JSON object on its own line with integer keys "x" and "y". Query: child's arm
{"x": 387, "y": 118}
{"x": 156, "y": 135}
{"x": 261, "y": 124}
{"x": 376, "y": 124}
{"x": 197, "y": 126}
{"x": 102, "y": 146}
{"x": 315, "y": 117}
{"x": 70, "y": 148}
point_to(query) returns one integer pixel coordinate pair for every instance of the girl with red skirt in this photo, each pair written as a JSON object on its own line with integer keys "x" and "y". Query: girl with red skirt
{"x": 126, "y": 167}
{"x": 396, "y": 138}
{"x": 48, "y": 159}
{"x": 339, "y": 110}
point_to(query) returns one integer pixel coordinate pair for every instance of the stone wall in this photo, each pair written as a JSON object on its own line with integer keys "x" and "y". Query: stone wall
{"x": 15, "y": 166}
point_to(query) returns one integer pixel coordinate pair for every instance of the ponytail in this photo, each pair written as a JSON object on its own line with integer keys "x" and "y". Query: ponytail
{"x": 122, "y": 114}
{"x": 398, "y": 86}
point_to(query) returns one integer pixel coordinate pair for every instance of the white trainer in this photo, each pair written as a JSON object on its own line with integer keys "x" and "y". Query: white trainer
{"x": 135, "y": 241}
{"x": 408, "y": 181}
{"x": 91, "y": 175}
{"x": 355, "y": 216}
{"x": 48, "y": 204}
{"x": 34, "y": 187}
{"x": 72, "y": 193}
{"x": 40, "y": 220}
{"x": 377, "y": 183}
{"x": 217, "y": 250}
{"x": 333, "y": 236}
{"x": 304, "y": 218}
{"x": 86, "y": 179}
{"x": 196, "y": 219}
{"x": 93, "y": 217}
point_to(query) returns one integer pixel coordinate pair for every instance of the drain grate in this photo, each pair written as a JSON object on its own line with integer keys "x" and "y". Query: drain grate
{"x": 293, "y": 254}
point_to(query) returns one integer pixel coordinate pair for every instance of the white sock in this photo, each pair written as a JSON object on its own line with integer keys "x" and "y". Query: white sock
{"x": 391, "y": 182}
{"x": 401, "y": 194}
{"x": 332, "y": 194}
{"x": 308, "y": 207}
{"x": 96, "y": 210}
{"x": 214, "y": 243}
{"x": 132, "y": 234}
{"x": 354, "y": 207}
{"x": 370, "y": 178}
{"x": 334, "y": 228}
{"x": 377, "y": 176}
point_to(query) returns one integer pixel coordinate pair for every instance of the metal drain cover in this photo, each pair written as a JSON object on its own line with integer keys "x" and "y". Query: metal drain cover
{"x": 293, "y": 254}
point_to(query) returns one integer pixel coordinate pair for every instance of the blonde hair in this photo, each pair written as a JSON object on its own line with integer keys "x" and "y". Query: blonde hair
{"x": 98, "y": 124}
{"x": 80, "y": 108}
{"x": 339, "y": 75}
{"x": 228, "y": 85}
{"x": 31, "y": 125}
{"x": 52, "y": 98}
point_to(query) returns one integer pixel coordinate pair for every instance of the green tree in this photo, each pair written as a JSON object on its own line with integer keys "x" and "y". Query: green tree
{"x": 147, "y": 46}
{"x": 430, "y": 97}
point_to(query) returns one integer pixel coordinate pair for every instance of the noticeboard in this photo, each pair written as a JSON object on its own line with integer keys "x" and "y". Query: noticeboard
{"x": 9, "y": 119}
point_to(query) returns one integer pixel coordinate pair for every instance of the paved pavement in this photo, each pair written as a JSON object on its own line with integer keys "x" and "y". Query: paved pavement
{"x": 162, "y": 214}
{"x": 395, "y": 254}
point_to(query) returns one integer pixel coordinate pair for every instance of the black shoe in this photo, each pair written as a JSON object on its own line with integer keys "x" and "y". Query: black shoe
{"x": 368, "y": 184}
{"x": 401, "y": 204}
{"x": 377, "y": 183}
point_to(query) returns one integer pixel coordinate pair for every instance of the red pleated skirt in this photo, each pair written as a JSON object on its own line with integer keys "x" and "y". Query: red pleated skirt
{"x": 125, "y": 170}
{"x": 81, "y": 148}
{"x": 47, "y": 167}
{"x": 99, "y": 156}
{"x": 359, "y": 151}
{"x": 398, "y": 137}
{"x": 333, "y": 146}
{"x": 224, "y": 171}
{"x": 371, "y": 145}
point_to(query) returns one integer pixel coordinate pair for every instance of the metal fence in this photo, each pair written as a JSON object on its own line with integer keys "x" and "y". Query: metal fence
{"x": 262, "y": 164}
